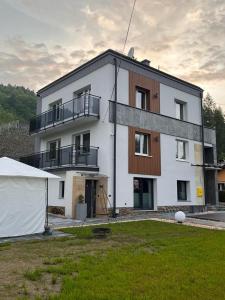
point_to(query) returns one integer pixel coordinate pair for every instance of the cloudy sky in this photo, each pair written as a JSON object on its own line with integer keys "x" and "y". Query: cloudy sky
{"x": 41, "y": 40}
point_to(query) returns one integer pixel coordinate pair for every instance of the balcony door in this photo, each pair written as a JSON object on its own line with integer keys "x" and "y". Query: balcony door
{"x": 54, "y": 152}
{"x": 55, "y": 111}
{"x": 81, "y": 103}
{"x": 143, "y": 193}
{"x": 81, "y": 144}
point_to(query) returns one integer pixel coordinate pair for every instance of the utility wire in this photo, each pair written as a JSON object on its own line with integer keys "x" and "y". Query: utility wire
{"x": 124, "y": 46}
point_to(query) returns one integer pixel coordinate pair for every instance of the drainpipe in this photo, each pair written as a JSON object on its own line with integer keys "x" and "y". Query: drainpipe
{"x": 114, "y": 141}
{"x": 203, "y": 145}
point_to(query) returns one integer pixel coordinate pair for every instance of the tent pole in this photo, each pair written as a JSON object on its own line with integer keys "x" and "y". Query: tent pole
{"x": 47, "y": 204}
{"x": 47, "y": 228}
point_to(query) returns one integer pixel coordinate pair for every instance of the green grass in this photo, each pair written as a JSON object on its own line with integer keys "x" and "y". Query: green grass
{"x": 139, "y": 260}
{"x": 33, "y": 275}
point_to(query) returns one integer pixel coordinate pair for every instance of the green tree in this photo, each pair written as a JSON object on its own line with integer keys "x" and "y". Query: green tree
{"x": 16, "y": 103}
{"x": 214, "y": 118}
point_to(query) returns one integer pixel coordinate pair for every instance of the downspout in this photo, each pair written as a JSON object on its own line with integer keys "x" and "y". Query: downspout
{"x": 114, "y": 141}
{"x": 203, "y": 147}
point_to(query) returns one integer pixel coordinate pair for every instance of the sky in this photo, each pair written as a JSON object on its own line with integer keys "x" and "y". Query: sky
{"x": 41, "y": 40}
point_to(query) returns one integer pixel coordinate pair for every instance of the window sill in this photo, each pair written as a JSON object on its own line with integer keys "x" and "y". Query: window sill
{"x": 185, "y": 201}
{"x": 182, "y": 160}
{"x": 144, "y": 155}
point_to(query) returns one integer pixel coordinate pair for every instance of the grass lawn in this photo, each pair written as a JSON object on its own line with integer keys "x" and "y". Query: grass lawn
{"x": 139, "y": 260}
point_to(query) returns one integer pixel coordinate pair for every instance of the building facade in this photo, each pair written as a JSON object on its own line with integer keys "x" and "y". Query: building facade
{"x": 124, "y": 136}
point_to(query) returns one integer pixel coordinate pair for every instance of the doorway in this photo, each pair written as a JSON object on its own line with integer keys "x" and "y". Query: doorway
{"x": 143, "y": 193}
{"x": 90, "y": 197}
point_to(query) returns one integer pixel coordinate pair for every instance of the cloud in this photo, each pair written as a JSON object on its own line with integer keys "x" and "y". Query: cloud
{"x": 31, "y": 64}
{"x": 185, "y": 38}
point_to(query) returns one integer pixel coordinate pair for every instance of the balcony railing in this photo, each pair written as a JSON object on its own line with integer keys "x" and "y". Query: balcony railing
{"x": 69, "y": 156}
{"x": 85, "y": 105}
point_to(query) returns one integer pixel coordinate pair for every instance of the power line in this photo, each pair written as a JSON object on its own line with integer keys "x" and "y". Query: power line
{"x": 128, "y": 29}
{"x": 124, "y": 46}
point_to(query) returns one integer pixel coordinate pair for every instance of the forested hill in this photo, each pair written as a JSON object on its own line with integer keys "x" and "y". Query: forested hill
{"x": 16, "y": 103}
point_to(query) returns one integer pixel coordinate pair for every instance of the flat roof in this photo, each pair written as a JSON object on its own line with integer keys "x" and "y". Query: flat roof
{"x": 123, "y": 58}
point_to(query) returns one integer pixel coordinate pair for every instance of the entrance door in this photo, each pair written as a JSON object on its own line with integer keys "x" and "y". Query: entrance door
{"x": 90, "y": 198}
{"x": 143, "y": 193}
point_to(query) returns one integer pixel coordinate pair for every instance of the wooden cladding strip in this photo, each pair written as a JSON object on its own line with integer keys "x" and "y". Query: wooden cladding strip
{"x": 148, "y": 165}
{"x": 153, "y": 86}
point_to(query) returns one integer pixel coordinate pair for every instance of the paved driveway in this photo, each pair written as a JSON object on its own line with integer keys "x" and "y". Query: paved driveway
{"x": 211, "y": 216}
{"x": 57, "y": 222}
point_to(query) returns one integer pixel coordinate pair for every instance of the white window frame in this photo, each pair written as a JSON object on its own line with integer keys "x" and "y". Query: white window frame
{"x": 184, "y": 105}
{"x": 185, "y": 143}
{"x": 145, "y": 92}
{"x": 187, "y": 184}
{"x": 58, "y": 104}
{"x": 141, "y": 153}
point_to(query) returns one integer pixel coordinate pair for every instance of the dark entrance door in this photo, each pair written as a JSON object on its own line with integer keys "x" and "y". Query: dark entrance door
{"x": 143, "y": 193}
{"x": 90, "y": 198}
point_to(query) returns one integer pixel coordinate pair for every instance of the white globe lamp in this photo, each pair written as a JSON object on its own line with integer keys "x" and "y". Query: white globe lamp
{"x": 180, "y": 216}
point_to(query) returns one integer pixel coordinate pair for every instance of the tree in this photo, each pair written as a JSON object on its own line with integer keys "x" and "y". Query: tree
{"x": 16, "y": 103}
{"x": 214, "y": 118}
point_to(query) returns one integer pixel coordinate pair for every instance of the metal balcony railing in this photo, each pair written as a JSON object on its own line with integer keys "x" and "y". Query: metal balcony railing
{"x": 69, "y": 156}
{"x": 85, "y": 105}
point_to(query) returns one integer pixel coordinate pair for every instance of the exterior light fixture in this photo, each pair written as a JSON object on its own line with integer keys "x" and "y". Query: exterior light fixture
{"x": 180, "y": 216}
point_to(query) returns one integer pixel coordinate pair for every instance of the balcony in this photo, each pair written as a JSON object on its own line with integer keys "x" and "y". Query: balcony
{"x": 69, "y": 157}
{"x": 81, "y": 107}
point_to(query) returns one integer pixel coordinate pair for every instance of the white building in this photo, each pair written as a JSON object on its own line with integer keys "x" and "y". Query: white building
{"x": 148, "y": 155}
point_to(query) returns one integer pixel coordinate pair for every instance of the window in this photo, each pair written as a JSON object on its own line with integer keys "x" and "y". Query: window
{"x": 142, "y": 99}
{"x": 53, "y": 147}
{"x": 55, "y": 110}
{"x": 61, "y": 189}
{"x": 143, "y": 193}
{"x": 142, "y": 144}
{"x": 180, "y": 110}
{"x": 221, "y": 186}
{"x": 82, "y": 142}
{"x": 181, "y": 190}
{"x": 82, "y": 102}
{"x": 181, "y": 150}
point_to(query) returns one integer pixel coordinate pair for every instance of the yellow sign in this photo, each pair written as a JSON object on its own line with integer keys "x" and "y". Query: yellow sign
{"x": 199, "y": 191}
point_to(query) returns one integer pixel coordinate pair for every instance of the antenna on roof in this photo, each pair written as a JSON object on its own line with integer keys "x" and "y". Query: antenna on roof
{"x": 131, "y": 52}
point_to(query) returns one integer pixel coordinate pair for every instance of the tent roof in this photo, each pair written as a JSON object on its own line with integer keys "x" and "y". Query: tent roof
{"x": 11, "y": 167}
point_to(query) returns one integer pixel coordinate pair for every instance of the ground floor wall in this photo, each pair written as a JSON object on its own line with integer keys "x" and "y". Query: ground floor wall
{"x": 75, "y": 190}
{"x": 164, "y": 187}
{"x": 172, "y": 170}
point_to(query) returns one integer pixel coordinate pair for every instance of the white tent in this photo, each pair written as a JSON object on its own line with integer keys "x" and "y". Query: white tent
{"x": 22, "y": 198}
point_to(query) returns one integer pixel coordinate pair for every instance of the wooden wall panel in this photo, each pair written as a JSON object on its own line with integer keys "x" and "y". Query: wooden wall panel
{"x": 137, "y": 80}
{"x": 148, "y": 165}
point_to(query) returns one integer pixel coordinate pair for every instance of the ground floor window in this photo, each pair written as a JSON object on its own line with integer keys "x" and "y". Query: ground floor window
{"x": 182, "y": 190}
{"x": 143, "y": 193}
{"x": 61, "y": 189}
{"x": 221, "y": 186}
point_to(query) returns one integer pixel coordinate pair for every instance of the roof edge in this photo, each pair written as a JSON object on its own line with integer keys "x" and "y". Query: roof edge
{"x": 119, "y": 56}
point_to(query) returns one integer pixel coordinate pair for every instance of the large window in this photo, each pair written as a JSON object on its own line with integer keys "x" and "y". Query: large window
{"x": 55, "y": 110}
{"x": 82, "y": 142}
{"x": 81, "y": 105}
{"x": 53, "y": 147}
{"x": 142, "y": 143}
{"x": 143, "y": 193}
{"x": 181, "y": 150}
{"x": 180, "y": 110}
{"x": 182, "y": 190}
{"x": 142, "y": 99}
